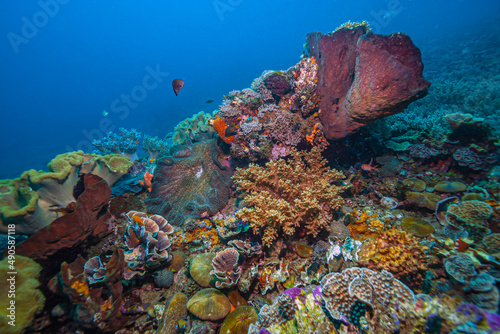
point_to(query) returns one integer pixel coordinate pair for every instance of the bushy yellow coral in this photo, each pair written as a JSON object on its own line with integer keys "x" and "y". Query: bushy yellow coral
{"x": 288, "y": 194}
{"x": 397, "y": 252}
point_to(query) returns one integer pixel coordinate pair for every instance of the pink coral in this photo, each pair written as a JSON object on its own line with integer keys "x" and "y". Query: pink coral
{"x": 225, "y": 268}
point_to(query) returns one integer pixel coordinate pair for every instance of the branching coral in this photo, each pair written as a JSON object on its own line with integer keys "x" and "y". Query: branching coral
{"x": 124, "y": 143}
{"x": 287, "y": 195}
{"x": 397, "y": 252}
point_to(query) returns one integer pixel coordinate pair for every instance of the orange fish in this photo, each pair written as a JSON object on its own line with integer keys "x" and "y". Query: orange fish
{"x": 177, "y": 84}
{"x": 148, "y": 177}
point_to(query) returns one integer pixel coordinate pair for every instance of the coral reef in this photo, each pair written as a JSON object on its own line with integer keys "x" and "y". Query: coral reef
{"x": 76, "y": 228}
{"x": 209, "y": 304}
{"x": 125, "y": 143}
{"x": 192, "y": 181}
{"x": 287, "y": 195}
{"x": 366, "y": 84}
{"x": 397, "y": 252}
{"x": 155, "y": 146}
{"x": 200, "y": 269}
{"x": 92, "y": 305}
{"x": 147, "y": 241}
{"x": 342, "y": 291}
{"x": 472, "y": 216}
{"x": 192, "y": 127}
{"x": 225, "y": 268}
{"x": 239, "y": 320}
{"x": 37, "y": 198}
{"x": 173, "y": 314}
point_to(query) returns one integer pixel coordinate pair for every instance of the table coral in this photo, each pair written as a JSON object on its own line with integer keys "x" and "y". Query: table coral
{"x": 397, "y": 252}
{"x": 287, "y": 195}
{"x": 341, "y": 291}
{"x": 460, "y": 267}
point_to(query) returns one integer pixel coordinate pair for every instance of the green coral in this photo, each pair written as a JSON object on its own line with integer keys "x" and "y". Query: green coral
{"x": 37, "y": 198}
{"x": 191, "y": 127}
{"x": 28, "y": 299}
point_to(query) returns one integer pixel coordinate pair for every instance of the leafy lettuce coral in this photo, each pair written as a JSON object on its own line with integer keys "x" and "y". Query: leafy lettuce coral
{"x": 37, "y": 198}
{"x": 287, "y": 195}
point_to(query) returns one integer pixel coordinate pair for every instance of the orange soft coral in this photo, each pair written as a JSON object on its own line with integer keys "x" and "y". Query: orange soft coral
{"x": 288, "y": 194}
{"x": 397, "y": 252}
{"x": 220, "y": 126}
{"x": 364, "y": 225}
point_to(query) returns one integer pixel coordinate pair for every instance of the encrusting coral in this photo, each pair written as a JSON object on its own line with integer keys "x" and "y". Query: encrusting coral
{"x": 287, "y": 195}
{"x": 397, "y": 252}
{"x": 361, "y": 287}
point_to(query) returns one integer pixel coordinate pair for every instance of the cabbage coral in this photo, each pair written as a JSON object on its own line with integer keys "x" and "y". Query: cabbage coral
{"x": 289, "y": 194}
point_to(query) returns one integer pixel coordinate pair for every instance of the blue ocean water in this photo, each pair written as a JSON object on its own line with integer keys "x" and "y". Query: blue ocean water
{"x": 63, "y": 62}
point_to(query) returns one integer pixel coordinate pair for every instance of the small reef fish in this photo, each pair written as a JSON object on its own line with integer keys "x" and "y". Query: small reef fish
{"x": 231, "y": 131}
{"x": 105, "y": 113}
{"x": 209, "y": 101}
{"x": 148, "y": 177}
{"x": 368, "y": 167}
{"x": 177, "y": 84}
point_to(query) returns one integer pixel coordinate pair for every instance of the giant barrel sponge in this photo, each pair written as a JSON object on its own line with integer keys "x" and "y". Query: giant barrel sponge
{"x": 363, "y": 76}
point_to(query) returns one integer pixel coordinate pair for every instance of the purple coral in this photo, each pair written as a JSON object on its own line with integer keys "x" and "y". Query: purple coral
{"x": 225, "y": 268}
{"x": 422, "y": 151}
{"x": 468, "y": 158}
{"x": 94, "y": 270}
